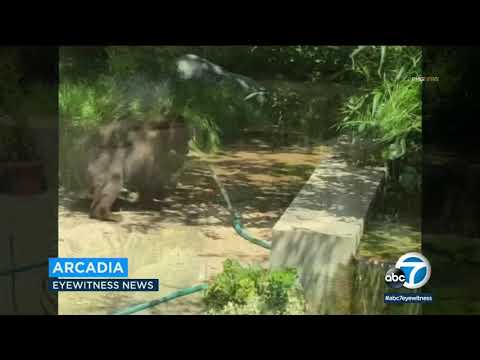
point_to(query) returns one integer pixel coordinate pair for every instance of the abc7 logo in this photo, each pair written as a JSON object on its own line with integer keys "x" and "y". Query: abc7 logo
{"x": 395, "y": 278}
{"x": 411, "y": 271}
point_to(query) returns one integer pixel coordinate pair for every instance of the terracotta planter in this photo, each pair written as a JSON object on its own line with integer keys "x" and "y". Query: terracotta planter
{"x": 23, "y": 178}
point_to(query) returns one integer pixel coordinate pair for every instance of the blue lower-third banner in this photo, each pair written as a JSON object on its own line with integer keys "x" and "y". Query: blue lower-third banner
{"x": 103, "y": 284}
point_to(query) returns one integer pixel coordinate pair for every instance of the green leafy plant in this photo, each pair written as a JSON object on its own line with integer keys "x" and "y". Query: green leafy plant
{"x": 253, "y": 290}
{"x": 276, "y": 289}
{"x": 389, "y": 111}
{"x": 389, "y": 114}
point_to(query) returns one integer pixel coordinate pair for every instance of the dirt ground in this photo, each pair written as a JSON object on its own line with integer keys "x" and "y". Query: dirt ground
{"x": 184, "y": 239}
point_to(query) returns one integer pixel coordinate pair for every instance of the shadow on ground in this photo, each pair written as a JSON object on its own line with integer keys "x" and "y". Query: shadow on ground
{"x": 260, "y": 183}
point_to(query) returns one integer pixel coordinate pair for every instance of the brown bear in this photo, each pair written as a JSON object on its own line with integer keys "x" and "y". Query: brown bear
{"x": 142, "y": 156}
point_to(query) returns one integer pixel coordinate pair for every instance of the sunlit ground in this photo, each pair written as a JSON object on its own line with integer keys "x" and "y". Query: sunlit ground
{"x": 184, "y": 239}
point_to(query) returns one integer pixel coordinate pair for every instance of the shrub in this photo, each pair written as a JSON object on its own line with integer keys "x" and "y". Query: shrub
{"x": 253, "y": 290}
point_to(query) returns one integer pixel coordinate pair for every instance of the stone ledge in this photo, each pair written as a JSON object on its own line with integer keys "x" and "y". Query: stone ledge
{"x": 321, "y": 229}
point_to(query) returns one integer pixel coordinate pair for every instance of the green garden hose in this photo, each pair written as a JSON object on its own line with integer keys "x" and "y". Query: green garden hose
{"x": 237, "y": 220}
{"x": 237, "y": 225}
{"x": 150, "y": 304}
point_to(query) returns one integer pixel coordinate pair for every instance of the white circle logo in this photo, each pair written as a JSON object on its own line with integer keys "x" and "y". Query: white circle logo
{"x": 416, "y": 268}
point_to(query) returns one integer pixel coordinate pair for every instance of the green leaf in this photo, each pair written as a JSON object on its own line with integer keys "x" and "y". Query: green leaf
{"x": 400, "y": 73}
{"x": 354, "y": 53}
{"x": 383, "y": 50}
{"x": 376, "y": 98}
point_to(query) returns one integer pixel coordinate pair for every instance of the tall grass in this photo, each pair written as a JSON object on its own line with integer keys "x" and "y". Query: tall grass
{"x": 89, "y": 105}
{"x": 389, "y": 113}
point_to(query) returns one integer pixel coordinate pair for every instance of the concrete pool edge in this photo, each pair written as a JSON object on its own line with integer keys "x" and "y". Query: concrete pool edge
{"x": 320, "y": 231}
